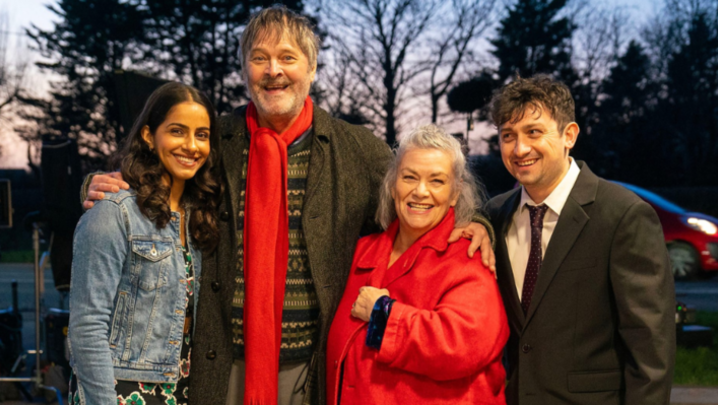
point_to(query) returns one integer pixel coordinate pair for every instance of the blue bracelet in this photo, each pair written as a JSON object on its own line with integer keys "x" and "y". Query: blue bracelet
{"x": 378, "y": 320}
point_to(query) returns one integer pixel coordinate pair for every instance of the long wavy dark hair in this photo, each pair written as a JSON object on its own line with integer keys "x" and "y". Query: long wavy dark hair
{"x": 143, "y": 171}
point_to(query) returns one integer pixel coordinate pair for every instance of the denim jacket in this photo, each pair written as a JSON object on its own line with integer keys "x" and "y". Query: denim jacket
{"x": 127, "y": 298}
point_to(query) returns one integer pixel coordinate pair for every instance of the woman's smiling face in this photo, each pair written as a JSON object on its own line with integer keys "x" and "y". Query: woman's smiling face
{"x": 423, "y": 192}
{"x": 181, "y": 142}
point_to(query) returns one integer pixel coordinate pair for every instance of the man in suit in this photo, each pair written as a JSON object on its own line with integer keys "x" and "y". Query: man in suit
{"x": 581, "y": 263}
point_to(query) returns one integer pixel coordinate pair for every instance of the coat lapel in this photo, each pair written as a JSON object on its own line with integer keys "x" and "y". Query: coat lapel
{"x": 504, "y": 270}
{"x": 436, "y": 239}
{"x": 571, "y": 222}
{"x": 234, "y": 140}
{"x": 317, "y": 173}
{"x": 376, "y": 256}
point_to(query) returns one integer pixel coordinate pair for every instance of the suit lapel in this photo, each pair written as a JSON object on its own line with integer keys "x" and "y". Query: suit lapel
{"x": 571, "y": 222}
{"x": 504, "y": 271}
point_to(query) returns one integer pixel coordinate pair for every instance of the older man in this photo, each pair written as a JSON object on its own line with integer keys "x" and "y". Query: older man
{"x": 581, "y": 264}
{"x": 301, "y": 188}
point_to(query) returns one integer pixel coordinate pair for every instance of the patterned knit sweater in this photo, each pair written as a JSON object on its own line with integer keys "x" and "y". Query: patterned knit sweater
{"x": 301, "y": 308}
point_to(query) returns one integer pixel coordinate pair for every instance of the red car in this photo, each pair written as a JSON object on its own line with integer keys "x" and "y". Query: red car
{"x": 691, "y": 237}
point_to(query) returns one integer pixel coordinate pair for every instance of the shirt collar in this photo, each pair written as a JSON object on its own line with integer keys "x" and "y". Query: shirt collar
{"x": 557, "y": 199}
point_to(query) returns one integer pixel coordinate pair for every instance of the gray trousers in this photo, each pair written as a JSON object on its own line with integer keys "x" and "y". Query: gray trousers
{"x": 291, "y": 383}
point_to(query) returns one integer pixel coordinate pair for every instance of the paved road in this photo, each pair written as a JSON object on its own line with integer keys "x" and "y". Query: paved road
{"x": 24, "y": 274}
{"x": 694, "y": 396}
{"x": 701, "y": 294}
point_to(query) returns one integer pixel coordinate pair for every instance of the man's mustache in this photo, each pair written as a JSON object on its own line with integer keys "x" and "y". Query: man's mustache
{"x": 274, "y": 83}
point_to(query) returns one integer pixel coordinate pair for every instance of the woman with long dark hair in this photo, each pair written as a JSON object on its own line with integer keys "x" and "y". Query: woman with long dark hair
{"x": 137, "y": 258}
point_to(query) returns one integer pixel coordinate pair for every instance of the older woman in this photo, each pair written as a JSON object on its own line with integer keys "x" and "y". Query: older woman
{"x": 420, "y": 322}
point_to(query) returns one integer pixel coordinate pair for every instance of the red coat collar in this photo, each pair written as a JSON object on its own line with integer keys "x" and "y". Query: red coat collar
{"x": 376, "y": 254}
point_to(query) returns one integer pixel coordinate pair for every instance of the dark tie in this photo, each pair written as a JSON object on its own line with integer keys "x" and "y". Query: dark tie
{"x": 534, "y": 264}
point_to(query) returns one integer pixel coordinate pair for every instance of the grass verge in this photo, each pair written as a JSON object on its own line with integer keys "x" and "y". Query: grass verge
{"x": 699, "y": 366}
{"x": 17, "y": 256}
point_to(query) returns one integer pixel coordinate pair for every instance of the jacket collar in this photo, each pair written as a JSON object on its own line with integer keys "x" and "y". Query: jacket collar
{"x": 322, "y": 123}
{"x": 586, "y": 187}
{"x": 379, "y": 250}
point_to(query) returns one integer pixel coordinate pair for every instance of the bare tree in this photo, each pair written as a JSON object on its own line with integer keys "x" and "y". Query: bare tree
{"x": 12, "y": 73}
{"x": 377, "y": 40}
{"x": 667, "y": 31}
{"x": 600, "y": 36}
{"x": 598, "y": 41}
{"x": 341, "y": 95}
{"x": 465, "y": 21}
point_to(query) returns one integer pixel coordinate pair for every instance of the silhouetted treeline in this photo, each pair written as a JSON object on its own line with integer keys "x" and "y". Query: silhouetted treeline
{"x": 647, "y": 101}
{"x": 196, "y": 42}
{"x": 652, "y": 118}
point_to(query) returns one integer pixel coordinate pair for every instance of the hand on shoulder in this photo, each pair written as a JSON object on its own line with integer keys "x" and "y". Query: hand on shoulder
{"x": 101, "y": 184}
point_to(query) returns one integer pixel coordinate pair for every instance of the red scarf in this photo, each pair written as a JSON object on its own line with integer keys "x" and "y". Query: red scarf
{"x": 266, "y": 251}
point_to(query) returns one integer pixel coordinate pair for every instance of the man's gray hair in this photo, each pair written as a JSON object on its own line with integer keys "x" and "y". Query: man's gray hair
{"x": 271, "y": 23}
{"x": 471, "y": 196}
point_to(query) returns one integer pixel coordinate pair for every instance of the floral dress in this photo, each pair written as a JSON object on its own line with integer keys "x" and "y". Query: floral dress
{"x": 141, "y": 393}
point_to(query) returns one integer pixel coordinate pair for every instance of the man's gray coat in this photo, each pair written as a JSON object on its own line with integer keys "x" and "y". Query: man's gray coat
{"x": 347, "y": 165}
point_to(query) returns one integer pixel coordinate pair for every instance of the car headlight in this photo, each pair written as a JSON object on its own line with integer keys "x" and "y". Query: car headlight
{"x": 699, "y": 224}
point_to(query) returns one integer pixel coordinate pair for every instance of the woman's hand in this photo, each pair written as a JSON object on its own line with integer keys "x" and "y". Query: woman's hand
{"x": 364, "y": 304}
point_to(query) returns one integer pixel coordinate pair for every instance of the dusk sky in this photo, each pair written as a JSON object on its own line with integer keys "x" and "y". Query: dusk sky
{"x": 22, "y": 13}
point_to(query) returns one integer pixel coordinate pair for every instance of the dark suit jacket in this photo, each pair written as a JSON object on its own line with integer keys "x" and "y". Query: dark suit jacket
{"x": 601, "y": 326}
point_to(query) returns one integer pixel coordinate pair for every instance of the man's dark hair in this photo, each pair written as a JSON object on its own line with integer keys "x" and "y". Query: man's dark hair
{"x": 532, "y": 95}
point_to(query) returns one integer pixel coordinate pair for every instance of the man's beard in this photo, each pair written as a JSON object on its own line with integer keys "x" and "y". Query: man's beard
{"x": 288, "y": 103}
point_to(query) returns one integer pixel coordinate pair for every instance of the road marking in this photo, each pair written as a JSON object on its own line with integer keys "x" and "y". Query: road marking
{"x": 707, "y": 291}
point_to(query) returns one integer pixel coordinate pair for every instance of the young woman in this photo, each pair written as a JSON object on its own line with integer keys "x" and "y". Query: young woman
{"x": 137, "y": 258}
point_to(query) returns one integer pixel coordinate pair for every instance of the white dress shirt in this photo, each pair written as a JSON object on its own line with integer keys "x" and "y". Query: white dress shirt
{"x": 518, "y": 238}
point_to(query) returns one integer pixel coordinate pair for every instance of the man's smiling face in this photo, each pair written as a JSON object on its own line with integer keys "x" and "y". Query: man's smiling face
{"x": 535, "y": 152}
{"x": 278, "y": 77}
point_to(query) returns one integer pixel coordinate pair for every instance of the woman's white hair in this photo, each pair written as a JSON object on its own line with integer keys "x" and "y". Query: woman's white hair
{"x": 471, "y": 196}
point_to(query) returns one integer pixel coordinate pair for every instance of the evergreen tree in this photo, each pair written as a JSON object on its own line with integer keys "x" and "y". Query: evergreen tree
{"x": 186, "y": 40}
{"x": 91, "y": 40}
{"x": 473, "y": 94}
{"x": 198, "y": 41}
{"x": 624, "y": 120}
{"x": 691, "y": 108}
{"x": 532, "y": 39}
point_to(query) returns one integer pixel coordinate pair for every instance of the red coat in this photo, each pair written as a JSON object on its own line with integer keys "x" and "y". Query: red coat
{"x": 445, "y": 335}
